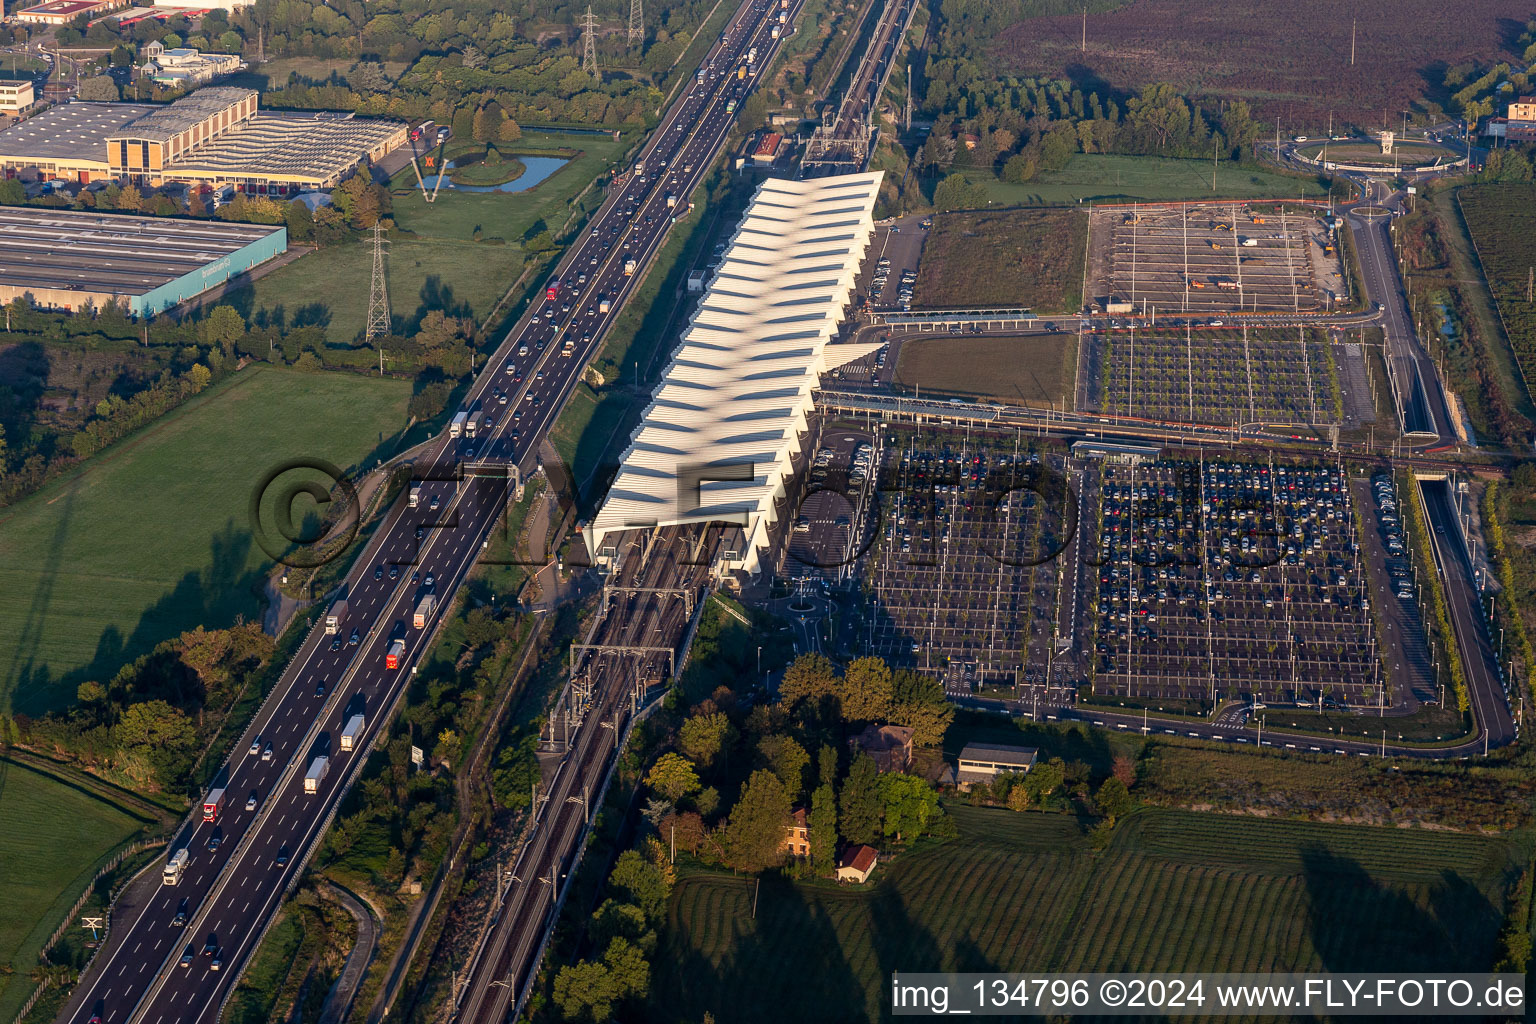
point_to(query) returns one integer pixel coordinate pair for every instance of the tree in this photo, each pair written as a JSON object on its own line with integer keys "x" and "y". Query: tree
{"x": 1043, "y": 780}
{"x": 673, "y": 777}
{"x": 808, "y": 677}
{"x": 705, "y": 738}
{"x": 472, "y": 58}
{"x": 300, "y": 221}
{"x": 1238, "y": 126}
{"x": 826, "y": 765}
{"x": 510, "y": 131}
{"x": 754, "y": 833}
{"x": 1019, "y": 168}
{"x": 614, "y": 920}
{"x": 859, "y": 817}
{"x": 158, "y": 740}
{"x": 12, "y": 192}
{"x": 1113, "y": 799}
{"x": 584, "y": 991}
{"x": 919, "y": 703}
{"x": 908, "y": 802}
{"x": 1524, "y": 477}
{"x": 1124, "y": 769}
{"x": 637, "y": 881}
{"x": 199, "y": 377}
{"x": 786, "y": 759}
{"x": 100, "y": 89}
{"x": 955, "y": 193}
{"x": 222, "y": 328}
{"x": 823, "y": 828}
{"x": 866, "y": 690}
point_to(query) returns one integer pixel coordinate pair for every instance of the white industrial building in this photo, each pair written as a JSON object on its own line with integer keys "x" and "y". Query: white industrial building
{"x": 718, "y": 440}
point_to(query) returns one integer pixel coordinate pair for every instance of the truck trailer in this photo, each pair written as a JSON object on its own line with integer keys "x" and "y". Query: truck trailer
{"x": 319, "y": 768}
{"x": 424, "y": 610}
{"x": 456, "y": 426}
{"x": 396, "y": 654}
{"x": 213, "y": 803}
{"x": 174, "y": 866}
{"x": 339, "y": 611}
{"x": 353, "y": 733}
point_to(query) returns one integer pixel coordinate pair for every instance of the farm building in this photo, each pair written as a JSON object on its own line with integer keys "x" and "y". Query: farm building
{"x": 982, "y": 763}
{"x": 856, "y": 864}
{"x": 889, "y": 745}
{"x": 66, "y": 259}
{"x": 718, "y": 440}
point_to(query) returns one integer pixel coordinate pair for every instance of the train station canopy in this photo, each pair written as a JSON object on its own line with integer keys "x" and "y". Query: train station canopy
{"x": 717, "y": 441}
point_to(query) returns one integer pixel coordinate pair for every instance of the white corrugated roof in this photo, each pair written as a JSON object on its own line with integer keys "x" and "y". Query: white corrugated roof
{"x": 734, "y": 399}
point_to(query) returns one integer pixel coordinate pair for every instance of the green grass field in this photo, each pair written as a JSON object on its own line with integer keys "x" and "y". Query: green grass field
{"x": 1174, "y": 891}
{"x": 152, "y": 537}
{"x": 1035, "y": 370}
{"x": 330, "y": 286}
{"x": 1112, "y": 178}
{"x": 53, "y": 837}
{"x": 1369, "y": 152}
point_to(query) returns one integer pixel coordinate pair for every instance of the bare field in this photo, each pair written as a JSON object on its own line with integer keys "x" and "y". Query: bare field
{"x": 1291, "y": 61}
{"x": 1030, "y": 259}
{"x": 1036, "y": 369}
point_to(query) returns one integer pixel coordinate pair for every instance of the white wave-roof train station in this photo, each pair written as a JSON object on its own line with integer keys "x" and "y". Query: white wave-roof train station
{"x": 734, "y": 400}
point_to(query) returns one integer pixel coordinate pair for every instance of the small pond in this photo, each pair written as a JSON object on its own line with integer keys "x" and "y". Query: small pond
{"x": 538, "y": 169}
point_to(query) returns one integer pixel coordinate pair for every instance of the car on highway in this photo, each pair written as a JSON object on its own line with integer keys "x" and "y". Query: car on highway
{"x": 187, "y": 957}
{"x": 266, "y": 752}
{"x": 215, "y": 839}
{"x": 255, "y": 746}
{"x": 250, "y": 801}
{"x": 320, "y": 688}
{"x": 218, "y": 961}
{"x": 181, "y": 914}
{"x": 282, "y": 855}
{"x": 352, "y": 640}
{"x": 378, "y": 572}
{"x": 211, "y": 946}
{"x": 336, "y": 644}
{"x": 394, "y": 572}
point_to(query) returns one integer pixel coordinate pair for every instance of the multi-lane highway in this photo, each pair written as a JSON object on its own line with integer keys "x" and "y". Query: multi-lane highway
{"x": 269, "y": 825}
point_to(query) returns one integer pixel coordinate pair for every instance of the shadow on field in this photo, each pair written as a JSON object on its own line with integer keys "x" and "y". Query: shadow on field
{"x": 787, "y": 966}
{"x": 1455, "y": 933}
{"x": 213, "y": 596}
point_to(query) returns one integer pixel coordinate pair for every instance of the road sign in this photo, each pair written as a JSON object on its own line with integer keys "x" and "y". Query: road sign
{"x": 416, "y": 756}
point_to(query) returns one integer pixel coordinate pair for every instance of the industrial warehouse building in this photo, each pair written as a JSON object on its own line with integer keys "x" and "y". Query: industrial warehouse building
{"x": 718, "y": 440}
{"x": 214, "y": 136}
{"x": 66, "y": 259}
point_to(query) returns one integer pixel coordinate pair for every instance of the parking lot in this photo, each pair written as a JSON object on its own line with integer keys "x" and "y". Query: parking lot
{"x": 889, "y": 272}
{"x": 1216, "y": 257}
{"x": 1234, "y": 581}
{"x": 827, "y": 528}
{"x": 1214, "y": 375}
{"x": 963, "y": 575}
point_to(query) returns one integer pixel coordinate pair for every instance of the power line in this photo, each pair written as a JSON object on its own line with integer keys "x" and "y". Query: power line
{"x": 636, "y": 22}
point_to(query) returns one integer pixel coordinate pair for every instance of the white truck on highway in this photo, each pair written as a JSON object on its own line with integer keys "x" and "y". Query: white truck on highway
{"x": 456, "y": 425}
{"x": 415, "y": 495}
{"x": 424, "y": 610}
{"x": 174, "y": 866}
{"x": 352, "y": 733}
{"x": 334, "y": 616}
{"x": 318, "y": 769}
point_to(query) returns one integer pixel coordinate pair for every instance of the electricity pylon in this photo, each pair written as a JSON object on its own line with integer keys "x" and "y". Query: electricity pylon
{"x": 589, "y": 52}
{"x": 378, "y": 295}
{"x": 636, "y": 21}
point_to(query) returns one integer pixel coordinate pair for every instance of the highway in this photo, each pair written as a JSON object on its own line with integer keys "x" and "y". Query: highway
{"x": 228, "y": 894}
